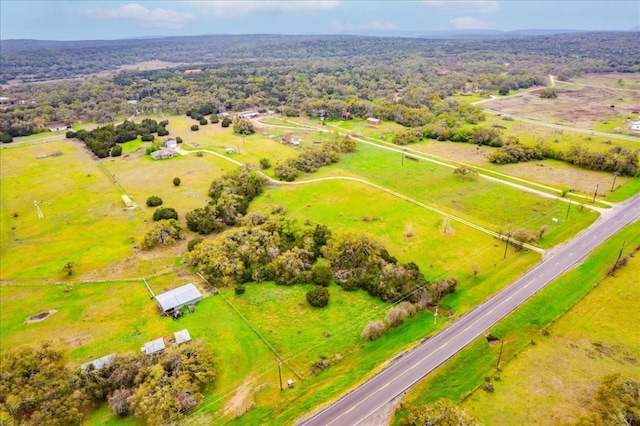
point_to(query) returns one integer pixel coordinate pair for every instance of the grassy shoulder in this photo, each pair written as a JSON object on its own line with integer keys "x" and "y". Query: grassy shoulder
{"x": 521, "y": 330}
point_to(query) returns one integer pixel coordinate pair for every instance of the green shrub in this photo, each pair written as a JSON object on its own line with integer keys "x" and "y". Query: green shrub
{"x": 176, "y": 181}
{"x": 193, "y": 243}
{"x": 318, "y": 297}
{"x": 164, "y": 213}
{"x": 154, "y": 201}
{"x": 240, "y": 289}
{"x": 195, "y": 127}
{"x": 116, "y": 151}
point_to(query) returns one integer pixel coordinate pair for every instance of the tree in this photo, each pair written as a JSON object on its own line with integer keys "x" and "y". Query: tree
{"x": 36, "y": 387}
{"x": 203, "y": 121}
{"x": 503, "y": 90}
{"x": 395, "y": 316}
{"x": 176, "y": 181}
{"x": 318, "y": 297}
{"x": 154, "y": 201}
{"x": 163, "y": 232}
{"x": 243, "y": 127}
{"x": 68, "y": 268}
{"x": 616, "y": 402}
{"x": 148, "y": 137}
{"x": 195, "y": 127}
{"x": 548, "y": 93}
{"x": 225, "y": 122}
{"x": 165, "y": 213}
{"x": 116, "y": 151}
{"x": 70, "y": 134}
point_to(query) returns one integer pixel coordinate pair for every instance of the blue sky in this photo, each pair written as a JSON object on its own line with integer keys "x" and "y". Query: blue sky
{"x": 84, "y": 20}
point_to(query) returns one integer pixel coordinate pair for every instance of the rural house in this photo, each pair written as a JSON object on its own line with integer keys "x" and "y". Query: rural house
{"x": 171, "y": 143}
{"x": 247, "y": 114}
{"x": 635, "y": 126}
{"x": 373, "y": 120}
{"x": 161, "y": 154}
{"x": 172, "y": 300}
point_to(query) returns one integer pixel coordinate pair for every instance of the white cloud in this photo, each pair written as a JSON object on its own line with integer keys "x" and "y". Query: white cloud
{"x": 378, "y": 25}
{"x": 146, "y": 18}
{"x": 478, "y": 6}
{"x": 234, "y": 7}
{"x": 468, "y": 23}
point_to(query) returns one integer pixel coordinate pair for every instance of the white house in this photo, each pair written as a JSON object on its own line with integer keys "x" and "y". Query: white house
{"x": 635, "y": 126}
{"x": 171, "y": 143}
{"x": 163, "y": 153}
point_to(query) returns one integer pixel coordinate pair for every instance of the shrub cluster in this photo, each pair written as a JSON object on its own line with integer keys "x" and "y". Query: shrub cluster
{"x": 311, "y": 160}
{"x": 102, "y": 139}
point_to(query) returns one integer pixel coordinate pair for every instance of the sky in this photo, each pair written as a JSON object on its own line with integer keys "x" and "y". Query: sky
{"x": 114, "y": 19}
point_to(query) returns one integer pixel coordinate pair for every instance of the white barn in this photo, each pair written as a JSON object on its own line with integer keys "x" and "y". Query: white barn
{"x": 154, "y": 346}
{"x": 172, "y": 300}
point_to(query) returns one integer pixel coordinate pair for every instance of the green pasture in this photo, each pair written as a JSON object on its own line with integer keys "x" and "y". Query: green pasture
{"x": 85, "y": 221}
{"x": 465, "y": 372}
{"x": 495, "y": 206}
{"x": 593, "y": 339}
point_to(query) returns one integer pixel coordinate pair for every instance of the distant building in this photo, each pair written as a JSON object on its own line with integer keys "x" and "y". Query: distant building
{"x": 161, "y": 154}
{"x": 154, "y": 346}
{"x": 230, "y": 151}
{"x": 58, "y": 127}
{"x": 373, "y": 120}
{"x": 132, "y": 101}
{"x": 171, "y": 143}
{"x": 248, "y": 114}
{"x": 97, "y": 364}
{"x": 127, "y": 201}
{"x": 172, "y": 300}
{"x": 635, "y": 126}
{"x": 295, "y": 141}
{"x": 193, "y": 71}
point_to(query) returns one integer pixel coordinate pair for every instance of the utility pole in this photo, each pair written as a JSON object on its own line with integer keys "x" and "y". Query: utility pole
{"x": 595, "y": 193}
{"x": 567, "y": 217}
{"x": 618, "y": 259}
{"x": 615, "y": 175}
{"x": 506, "y": 244}
{"x": 499, "y": 355}
{"x": 435, "y": 316}
{"x": 280, "y": 374}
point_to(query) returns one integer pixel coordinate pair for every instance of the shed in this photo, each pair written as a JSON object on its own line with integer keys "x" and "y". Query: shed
{"x": 58, "y": 127}
{"x": 635, "y": 126}
{"x": 154, "y": 346}
{"x": 175, "y": 299}
{"x": 97, "y": 364}
{"x": 248, "y": 114}
{"x": 373, "y": 120}
{"x": 127, "y": 201}
{"x": 171, "y": 143}
{"x": 182, "y": 336}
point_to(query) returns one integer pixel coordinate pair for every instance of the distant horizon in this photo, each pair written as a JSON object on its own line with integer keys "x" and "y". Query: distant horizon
{"x": 121, "y": 20}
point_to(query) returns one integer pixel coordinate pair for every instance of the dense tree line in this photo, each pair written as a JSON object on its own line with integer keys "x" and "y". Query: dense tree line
{"x": 230, "y": 197}
{"x": 292, "y": 74}
{"x": 37, "y": 388}
{"x": 312, "y": 159}
{"x": 102, "y": 139}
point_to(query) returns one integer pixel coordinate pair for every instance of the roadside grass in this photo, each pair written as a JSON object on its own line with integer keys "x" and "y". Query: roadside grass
{"x": 465, "y": 372}
{"x": 593, "y": 339}
{"x": 84, "y": 221}
{"x": 628, "y": 190}
{"x": 489, "y": 204}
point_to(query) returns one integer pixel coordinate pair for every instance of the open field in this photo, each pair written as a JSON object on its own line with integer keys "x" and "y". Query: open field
{"x": 465, "y": 373}
{"x": 588, "y": 103}
{"x": 91, "y": 324}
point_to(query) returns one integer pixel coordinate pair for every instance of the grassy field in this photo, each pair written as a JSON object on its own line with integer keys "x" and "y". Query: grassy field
{"x": 105, "y": 307}
{"x": 521, "y": 331}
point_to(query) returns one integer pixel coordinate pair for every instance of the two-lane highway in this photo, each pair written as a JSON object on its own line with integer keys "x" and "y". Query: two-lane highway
{"x": 409, "y": 369}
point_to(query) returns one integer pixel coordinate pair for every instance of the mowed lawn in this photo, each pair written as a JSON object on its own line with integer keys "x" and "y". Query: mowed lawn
{"x": 552, "y": 382}
{"x": 85, "y": 221}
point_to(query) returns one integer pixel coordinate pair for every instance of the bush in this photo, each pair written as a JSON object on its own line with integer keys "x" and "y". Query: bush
{"x": 321, "y": 275}
{"x": 226, "y": 122}
{"x": 193, "y": 243}
{"x": 203, "y": 121}
{"x": 154, "y": 201}
{"x": 148, "y": 137}
{"x": 395, "y": 316}
{"x": 70, "y": 134}
{"x": 318, "y": 297}
{"x": 265, "y": 163}
{"x": 373, "y": 330}
{"x": 164, "y": 213}
{"x": 176, "y": 181}
{"x": 163, "y": 232}
{"x": 195, "y": 127}
{"x": 116, "y": 151}
{"x": 239, "y": 289}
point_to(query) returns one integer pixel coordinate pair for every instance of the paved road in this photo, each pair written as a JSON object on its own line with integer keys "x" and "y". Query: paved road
{"x": 406, "y": 371}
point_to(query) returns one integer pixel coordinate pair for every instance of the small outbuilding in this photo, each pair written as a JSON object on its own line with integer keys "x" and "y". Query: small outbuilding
{"x": 154, "y": 346}
{"x": 635, "y": 126}
{"x": 172, "y": 300}
{"x": 373, "y": 120}
{"x": 97, "y": 364}
{"x": 182, "y": 336}
{"x": 171, "y": 143}
{"x": 127, "y": 201}
{"x": 58, "y": 127}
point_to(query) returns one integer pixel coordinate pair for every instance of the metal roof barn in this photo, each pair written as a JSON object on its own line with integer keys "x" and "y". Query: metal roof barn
{"x": 154, "y": 346}
{"x": 178, "y": 297}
